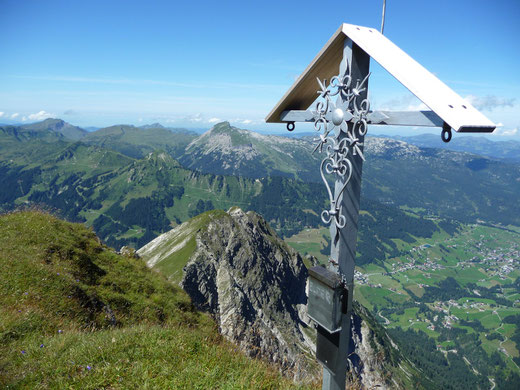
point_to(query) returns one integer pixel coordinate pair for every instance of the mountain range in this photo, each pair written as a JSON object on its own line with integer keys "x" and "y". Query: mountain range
{"x": 507, "y": 150}
{"x": 133, "y": 184}
{"x": 132, "y": 199}
{"x": 499, "y": 149}
{"x": 137, "y": 142}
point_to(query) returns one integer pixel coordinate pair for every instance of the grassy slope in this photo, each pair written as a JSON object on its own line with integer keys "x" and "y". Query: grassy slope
{"x": 74, "y": 314}
{"x": 310, "y": 241}
{"x": 137, "y": 143}
{"x": 24, "y": 147}
{"x": 175, "y": 248}
{"x": 84, "y": 160}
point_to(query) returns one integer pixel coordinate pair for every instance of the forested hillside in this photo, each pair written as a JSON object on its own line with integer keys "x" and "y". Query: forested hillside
{"x": 129, "y": 202}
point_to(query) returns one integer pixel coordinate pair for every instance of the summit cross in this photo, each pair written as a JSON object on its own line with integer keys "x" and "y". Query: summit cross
{"x": 340, "y": 112}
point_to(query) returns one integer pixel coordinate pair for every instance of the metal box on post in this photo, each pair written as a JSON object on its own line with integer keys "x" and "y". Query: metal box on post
{"x": 326, "y": 298}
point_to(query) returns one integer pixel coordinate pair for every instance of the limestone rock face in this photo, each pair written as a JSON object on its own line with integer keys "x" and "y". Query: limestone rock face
{"x": 376, "y": 357}
{"x": 254, "y": 285}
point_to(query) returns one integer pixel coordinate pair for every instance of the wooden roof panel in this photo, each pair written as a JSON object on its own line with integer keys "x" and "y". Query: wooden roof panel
{"x": 303, "y": 92}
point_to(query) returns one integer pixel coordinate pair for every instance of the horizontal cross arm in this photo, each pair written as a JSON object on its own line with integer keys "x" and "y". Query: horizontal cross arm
{"x": 405, "y": 118}
{"x": 420, "y": 118}
{"x": 297, "y": 116}
{"x": 395, "y": 118}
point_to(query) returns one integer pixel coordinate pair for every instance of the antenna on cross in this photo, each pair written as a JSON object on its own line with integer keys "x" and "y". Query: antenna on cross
{"x": 383, "y": 17}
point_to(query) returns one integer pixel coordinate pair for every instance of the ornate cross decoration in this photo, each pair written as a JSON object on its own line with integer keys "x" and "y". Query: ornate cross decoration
{"x": 334, "y": 117}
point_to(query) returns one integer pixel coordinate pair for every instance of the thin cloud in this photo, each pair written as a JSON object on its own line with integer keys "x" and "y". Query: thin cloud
{"x": 505, "y": 133}
{"x": 39, "y": 116}
{"x": 196, "y": 118}
{"x": 489, "y": 102}
{"x": 15, "y": 115}
{"x": 1, "y": 114}
{"x": 242, "y": 121}
{"x": 214, "y": 120}
{"x": 70, "y": 112}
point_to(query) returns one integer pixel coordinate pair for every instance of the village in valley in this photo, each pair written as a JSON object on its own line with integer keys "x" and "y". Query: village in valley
{"x": 444, "y": 285}
{"x": 484, "y": 260}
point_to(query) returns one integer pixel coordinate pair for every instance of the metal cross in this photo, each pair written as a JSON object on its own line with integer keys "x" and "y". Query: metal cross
{"x": 341, "y": 115}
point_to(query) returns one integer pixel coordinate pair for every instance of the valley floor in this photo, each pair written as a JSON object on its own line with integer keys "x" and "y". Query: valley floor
{"x": 453, "y": 287}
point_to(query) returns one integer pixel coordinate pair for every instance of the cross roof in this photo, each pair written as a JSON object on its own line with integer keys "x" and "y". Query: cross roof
{"x": 442, "y": 100}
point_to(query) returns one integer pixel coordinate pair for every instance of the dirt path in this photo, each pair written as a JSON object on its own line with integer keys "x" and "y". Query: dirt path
{"x": 505, "y": 339}
{"x": 387, "y": 321}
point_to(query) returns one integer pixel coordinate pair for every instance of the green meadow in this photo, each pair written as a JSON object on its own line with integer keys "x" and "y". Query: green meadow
{"x": 474, "y": 256}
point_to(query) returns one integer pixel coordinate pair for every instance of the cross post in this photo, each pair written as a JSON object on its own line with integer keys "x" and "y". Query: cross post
{"x": 343, "y": 240}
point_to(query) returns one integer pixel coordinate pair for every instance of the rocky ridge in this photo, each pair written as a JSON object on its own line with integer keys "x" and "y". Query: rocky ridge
{"x": 236, "y": 268}
{"x": 225, "y": 149}
{"x": 58, "y": 126}
{"x": 248, "y": 279}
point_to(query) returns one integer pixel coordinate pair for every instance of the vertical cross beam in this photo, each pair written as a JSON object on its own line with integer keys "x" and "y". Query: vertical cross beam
{"x": 343, "y": 245}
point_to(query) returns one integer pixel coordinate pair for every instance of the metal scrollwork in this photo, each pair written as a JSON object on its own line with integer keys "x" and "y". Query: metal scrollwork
{"x": 345, "y": 141}
{"x": 336, "y": 163}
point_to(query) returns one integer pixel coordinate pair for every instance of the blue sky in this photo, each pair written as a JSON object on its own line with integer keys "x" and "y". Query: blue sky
{"x": 190, "y": 64}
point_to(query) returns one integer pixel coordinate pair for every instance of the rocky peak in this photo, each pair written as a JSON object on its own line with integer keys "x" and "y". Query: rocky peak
{"x": 235, "y": 267}
{"x": 223, "y": 135}
{"x": 57, "y": 126}
{"x": 246, "y": 277}
{"x": 223, "y": 147}
{"x": 251, "y": 282}
{"x": 155, "y": 125}
{"x": 228, "y": 150}
{"x": 222, "y": 127}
